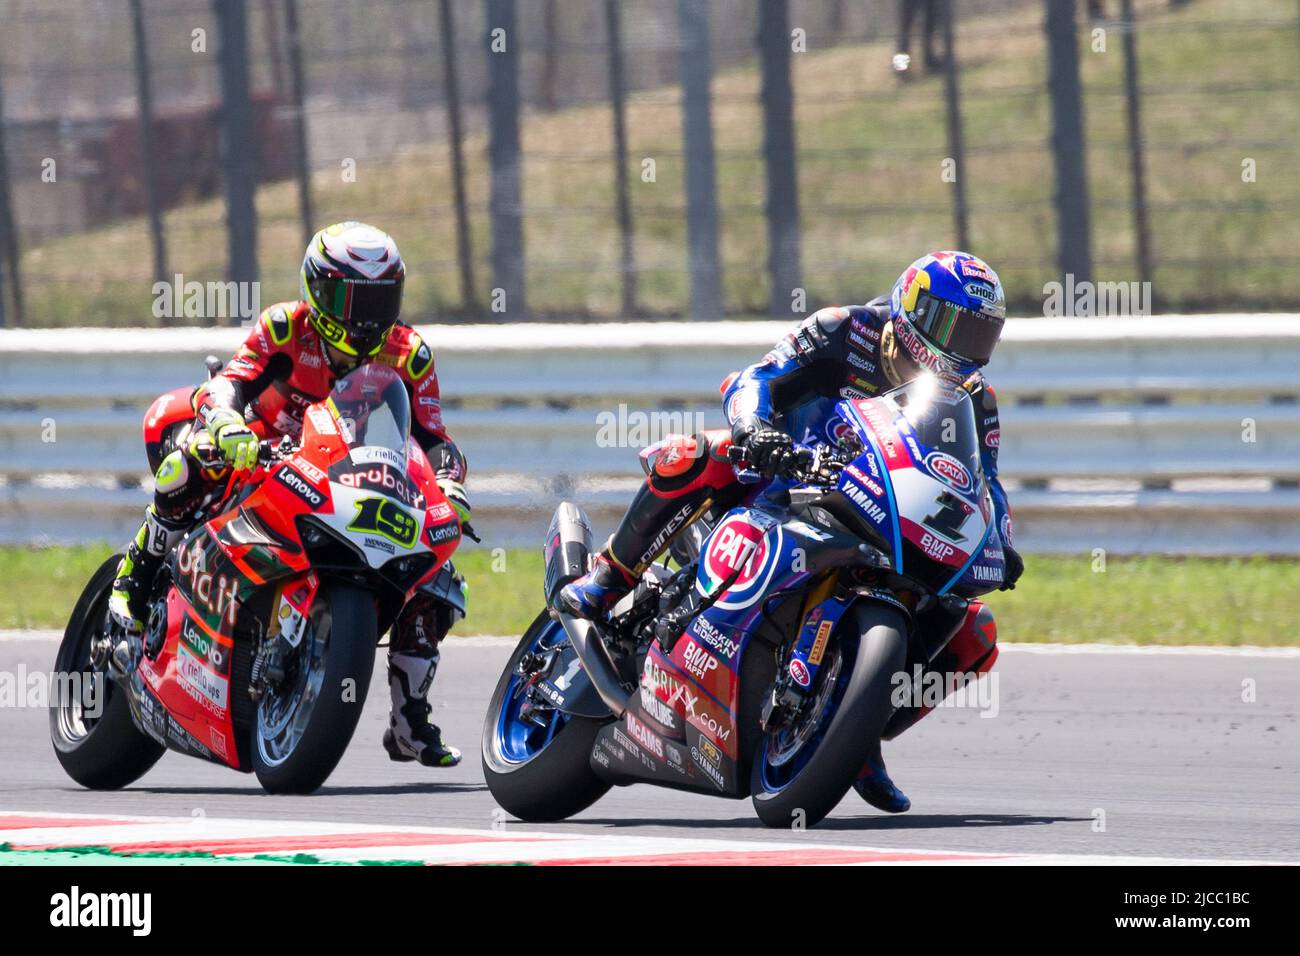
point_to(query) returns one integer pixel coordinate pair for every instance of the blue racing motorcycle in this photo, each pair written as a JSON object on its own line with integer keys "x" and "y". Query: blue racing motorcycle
{"x": 760, "y": 658}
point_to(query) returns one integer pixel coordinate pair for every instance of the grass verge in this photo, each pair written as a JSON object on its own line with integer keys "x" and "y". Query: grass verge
{"x": 1068, "y": 599}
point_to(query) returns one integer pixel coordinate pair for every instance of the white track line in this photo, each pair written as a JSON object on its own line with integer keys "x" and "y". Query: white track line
{"x": 16, "y": 636}
{"x": 1152, "y": 650}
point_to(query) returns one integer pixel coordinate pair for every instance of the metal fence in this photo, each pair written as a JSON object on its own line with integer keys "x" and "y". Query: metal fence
{"x": 596, "y": 158}
{"x": 1162, "y": 436}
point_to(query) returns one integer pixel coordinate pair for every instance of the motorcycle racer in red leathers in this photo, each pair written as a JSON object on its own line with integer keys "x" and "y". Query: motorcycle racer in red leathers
{"x": 351, "y": 281}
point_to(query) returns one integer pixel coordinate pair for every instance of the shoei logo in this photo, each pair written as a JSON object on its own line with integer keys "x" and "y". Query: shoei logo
{"x": 737, "y": 546}
{"x": 949, "y": 470}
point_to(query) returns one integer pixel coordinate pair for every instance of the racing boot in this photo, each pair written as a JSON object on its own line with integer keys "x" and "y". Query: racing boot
{"x": 874, "y": 786}
{"x": 592, "y": 595}
{"x": 971, "y": 651}
{"x": 133, "y": 583}
{"x": 410, "y": 735}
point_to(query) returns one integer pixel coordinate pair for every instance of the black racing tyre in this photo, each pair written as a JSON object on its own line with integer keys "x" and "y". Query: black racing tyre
{"x": 103, "y": 751}
{"x": 811, "y": 784}
{"x": 300, "y": 733}
{"x": 539, "y": 775}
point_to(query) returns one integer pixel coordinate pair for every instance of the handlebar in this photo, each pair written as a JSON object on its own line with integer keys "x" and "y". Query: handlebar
{"x": 269, "y": 451}
{"x": 803, "y": 464}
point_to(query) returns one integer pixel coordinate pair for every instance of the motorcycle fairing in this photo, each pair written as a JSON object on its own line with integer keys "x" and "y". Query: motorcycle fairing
{"x": 943, "y": 481}
{"x": 871, "y": 473}
{"x": 681, "y": 727}
{"x": 986, "y": 571}
{"x": 697, "y": 748}
{"x": 168, "y": 410}
{"x": 186, "y": 690}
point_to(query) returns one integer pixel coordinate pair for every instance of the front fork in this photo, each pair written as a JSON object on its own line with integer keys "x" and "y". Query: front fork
{"x": 283, "y": 638}
{"x": 792, "y": 688}
{"x": 824, "y": 608}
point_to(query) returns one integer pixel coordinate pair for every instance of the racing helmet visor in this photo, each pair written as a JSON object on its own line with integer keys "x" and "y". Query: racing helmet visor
{"x": 365, "y": 309}
{"x": 957, "y": 331}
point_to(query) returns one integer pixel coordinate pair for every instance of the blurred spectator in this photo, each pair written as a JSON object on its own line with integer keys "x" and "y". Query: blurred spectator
{"x": 931, "y": 11}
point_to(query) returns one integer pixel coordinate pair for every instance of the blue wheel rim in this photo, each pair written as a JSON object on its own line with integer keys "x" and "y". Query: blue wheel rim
{"x": 774, "y": 779}
{"x": 519, "y": 741}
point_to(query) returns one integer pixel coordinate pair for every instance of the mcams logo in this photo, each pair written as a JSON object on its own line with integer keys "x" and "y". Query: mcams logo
{"x": 1084, "y": 299}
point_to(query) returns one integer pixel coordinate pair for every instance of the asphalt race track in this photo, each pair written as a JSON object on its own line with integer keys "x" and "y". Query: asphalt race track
{"x": 1162, "y": 744}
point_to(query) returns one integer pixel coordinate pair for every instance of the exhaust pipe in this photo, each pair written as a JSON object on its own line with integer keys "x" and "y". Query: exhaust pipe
{"x": 568, "y": 547}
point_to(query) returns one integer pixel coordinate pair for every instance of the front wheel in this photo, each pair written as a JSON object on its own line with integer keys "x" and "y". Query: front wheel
{"x": 304, "y": 725}
{"x": 804, "y": 770}
{"x": 95, "y": 738}
{"x": 537, "y": 761}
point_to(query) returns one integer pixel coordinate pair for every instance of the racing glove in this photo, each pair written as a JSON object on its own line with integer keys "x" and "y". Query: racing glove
{"x": 1014, "y": 567}
{"x": 767, "y": 449}
{"x": 236, "y": 442}
{"x": 455, "y": 494}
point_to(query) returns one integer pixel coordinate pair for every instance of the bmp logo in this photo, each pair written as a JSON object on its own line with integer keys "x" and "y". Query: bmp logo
{"x": 76, "y": 909}
{"x": 699, "y": 661}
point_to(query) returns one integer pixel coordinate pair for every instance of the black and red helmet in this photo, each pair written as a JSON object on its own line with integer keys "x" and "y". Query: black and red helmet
{"x": 352, "y": 278}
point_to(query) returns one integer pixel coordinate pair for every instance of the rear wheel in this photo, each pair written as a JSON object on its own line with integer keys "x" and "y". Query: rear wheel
{"x": 801, "y": 772}
{"x": 538, "y": 767}
{"x": 303, "y": 727}
{"x": 95, "y": 738}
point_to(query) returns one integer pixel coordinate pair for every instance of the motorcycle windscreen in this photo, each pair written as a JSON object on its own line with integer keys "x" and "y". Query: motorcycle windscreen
{"x": 926, "y": 435}
{"x": 373, "y": 413}
{"x": 376, "y": 505}
{"x": 941, "y": 422}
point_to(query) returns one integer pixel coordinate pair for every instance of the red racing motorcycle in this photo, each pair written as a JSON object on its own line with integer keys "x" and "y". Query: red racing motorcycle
{"x": 261, "y": 636}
